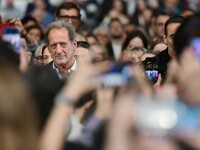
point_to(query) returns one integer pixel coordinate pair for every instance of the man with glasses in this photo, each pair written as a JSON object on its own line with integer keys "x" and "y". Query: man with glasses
{"x": 69, "y": 12}
{"x": 61, "y": 43}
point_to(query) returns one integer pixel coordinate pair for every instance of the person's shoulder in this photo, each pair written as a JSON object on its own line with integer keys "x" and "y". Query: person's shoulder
{"x": 49, "y": 65}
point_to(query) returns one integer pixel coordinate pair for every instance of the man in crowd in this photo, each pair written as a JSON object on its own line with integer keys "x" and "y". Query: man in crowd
{"x": 160, "y": 20}
{"x": 61, "y": 43}
{"x": 69, "y": 12}
{"x": 170, "y": 27}
{"x": 117, "y": 37}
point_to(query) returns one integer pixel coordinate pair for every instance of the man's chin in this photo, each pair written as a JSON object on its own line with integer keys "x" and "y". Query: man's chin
{"x": 60, "y": 62}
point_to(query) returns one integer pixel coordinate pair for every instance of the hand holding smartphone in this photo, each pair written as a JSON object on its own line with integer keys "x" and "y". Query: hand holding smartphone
{"x": 151, "y": 69}
{"x": 12, "y": 35}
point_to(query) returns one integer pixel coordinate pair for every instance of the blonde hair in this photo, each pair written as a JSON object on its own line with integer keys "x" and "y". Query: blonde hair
{"x": 18, "y": 123}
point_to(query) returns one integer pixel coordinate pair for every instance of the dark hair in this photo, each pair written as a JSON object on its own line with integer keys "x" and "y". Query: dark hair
{"x": 28, "y": 18}
{"x": 157, "y": 14}
{"x": 188, "y": 30}
{"x": 68, "y": 6}
{"x": 135, "y": 33}
{"x": 44, "y": 84}
{"x": 124, "y": 5}
{"x": 173, "y": 19}
{"x": 8, "y": 56}
{"x": 91, "y": 35}
{"x": 113, "y": 20}
{"x": 42, "y": 35}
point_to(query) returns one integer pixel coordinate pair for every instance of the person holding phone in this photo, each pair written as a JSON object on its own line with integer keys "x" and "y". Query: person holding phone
{"x": 164, "y": 57}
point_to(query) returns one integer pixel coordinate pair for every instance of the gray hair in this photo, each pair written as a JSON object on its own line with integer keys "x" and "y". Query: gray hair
{"x": 39, "y": 48}
{"x": 61, "y": 24}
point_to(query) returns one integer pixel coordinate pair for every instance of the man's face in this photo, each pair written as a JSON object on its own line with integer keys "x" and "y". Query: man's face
{"x": 60, "y": 46}
{"x": 168, "y": 39}
{"x": 159, "y": 24}
{"x": 71, "y": 16}
{"x": 35, "y": 34}
{"x": 116, "y": 29}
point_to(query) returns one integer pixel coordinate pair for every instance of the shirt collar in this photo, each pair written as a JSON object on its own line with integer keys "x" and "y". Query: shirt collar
{"x": 70, "y": 70}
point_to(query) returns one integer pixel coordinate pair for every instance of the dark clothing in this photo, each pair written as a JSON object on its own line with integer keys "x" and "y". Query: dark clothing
{"x": 74, "y": 146}
{"x": 110, "y": 51}
{"x": 163, "y": 60}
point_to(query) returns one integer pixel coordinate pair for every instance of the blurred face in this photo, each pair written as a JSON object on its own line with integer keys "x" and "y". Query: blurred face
{"x": 9, "y": 3}
{"x": 168, "y": 39}
{"x": 159, "y": 25}
{"x": 116, "y": 29}
{"x": 40, "y": 4}
{"x": 71, "y": 16}
{"x": 102, "y": 38}
{"x": 170, "y": 4}
{"x": 141, "y": 4}
{"x": 43, "y": 60}
{"x": 60, "y": 47}
{"x": 117, "y": 5}
{"x": 91, "y": 40}
{"x": 35, "y": 34}
{"x": 47, "y": 56}
{"x": 135, "y": 42}
{"x": 98, "y": 53}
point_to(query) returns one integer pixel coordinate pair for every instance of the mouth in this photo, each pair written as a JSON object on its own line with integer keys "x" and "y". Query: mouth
{"x": 60, "y": 56}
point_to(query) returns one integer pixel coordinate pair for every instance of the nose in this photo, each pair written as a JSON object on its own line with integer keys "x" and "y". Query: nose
{"x": 70, "y": 21}
{"x": 58, "y": 48}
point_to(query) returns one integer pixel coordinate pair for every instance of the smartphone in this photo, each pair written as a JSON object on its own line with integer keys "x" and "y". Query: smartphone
{"x": 119, "y": 74}
{"x": 195, "y": 46}
{"x": 12, "y": 35}
{"x": 83, "y": 44}
{"x": 5, "y": 25}
{"x": 151, "y": 69}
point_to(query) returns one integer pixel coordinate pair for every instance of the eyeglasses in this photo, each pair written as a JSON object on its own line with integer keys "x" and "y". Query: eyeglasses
{"x": 66, "y": 18}
{"x": 40, "y": 58}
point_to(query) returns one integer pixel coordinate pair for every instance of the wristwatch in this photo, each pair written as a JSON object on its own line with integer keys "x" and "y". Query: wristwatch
{"x": 63, "y": 98}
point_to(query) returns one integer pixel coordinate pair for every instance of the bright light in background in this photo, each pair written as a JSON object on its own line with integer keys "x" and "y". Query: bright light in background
{"x": 168, "y": 119}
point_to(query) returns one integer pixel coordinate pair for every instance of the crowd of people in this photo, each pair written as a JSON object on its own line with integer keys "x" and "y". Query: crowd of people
{"x": 100, "y": 75}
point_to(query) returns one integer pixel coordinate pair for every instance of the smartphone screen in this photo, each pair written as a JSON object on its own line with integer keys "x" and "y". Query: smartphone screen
{"x": 12, "y": 35}
{"x": 118, "y": 75}
{"x": 151, "y": 69}
{"x": 195, "y": 46}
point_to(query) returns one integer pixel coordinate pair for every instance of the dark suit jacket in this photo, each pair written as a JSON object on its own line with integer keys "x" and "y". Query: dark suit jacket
{"x": 163, "y": 60}
{"x": 110, "y": 51}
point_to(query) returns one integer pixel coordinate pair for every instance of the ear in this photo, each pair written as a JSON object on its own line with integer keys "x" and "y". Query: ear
{"x": 165, "y": 39}
{"x": 75, "y": 44}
